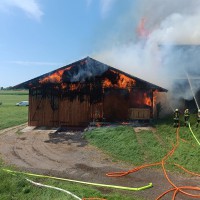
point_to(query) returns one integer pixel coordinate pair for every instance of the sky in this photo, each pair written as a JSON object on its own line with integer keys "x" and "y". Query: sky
{"x": 158, "y": 41}
{"x": 38, "y": 36}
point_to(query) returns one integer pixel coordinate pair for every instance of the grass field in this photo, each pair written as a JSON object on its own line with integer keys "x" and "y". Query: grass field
{"x": 16, "y": 187}
{"x": 11, "y": 115}
{"x": 145, "y": 147}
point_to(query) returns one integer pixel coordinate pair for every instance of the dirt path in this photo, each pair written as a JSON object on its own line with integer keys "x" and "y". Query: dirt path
{"x": 67, "y": 154}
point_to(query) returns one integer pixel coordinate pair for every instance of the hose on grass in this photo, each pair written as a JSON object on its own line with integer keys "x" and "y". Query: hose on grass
{"x": 81, "y": 182}
{"x": 119, "y": 174}
{"x": 175, "y": 189}
{"x": 62, "y": 190}
{"x": 55, "y": 188}
{"x": 189, "y": 172}
{"x": 193, "y": 134}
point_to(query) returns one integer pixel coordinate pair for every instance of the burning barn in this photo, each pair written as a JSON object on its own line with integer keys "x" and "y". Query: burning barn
{"x": 85, "y": 91}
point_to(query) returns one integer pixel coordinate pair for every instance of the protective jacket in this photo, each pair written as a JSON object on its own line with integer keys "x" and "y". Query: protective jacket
{"x": 186, "y": 113}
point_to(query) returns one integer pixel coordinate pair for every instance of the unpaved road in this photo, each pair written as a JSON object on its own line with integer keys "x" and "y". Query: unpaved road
{"x": 67, "y": 154}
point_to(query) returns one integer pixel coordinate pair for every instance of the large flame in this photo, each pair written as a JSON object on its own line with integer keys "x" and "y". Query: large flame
{"x": 148, "y": 100}
{"x": 123, "y": 82}
{"x": 56, "y": 77}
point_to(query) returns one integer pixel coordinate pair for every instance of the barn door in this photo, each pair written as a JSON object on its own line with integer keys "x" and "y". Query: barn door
{"x": 74, "y": 113}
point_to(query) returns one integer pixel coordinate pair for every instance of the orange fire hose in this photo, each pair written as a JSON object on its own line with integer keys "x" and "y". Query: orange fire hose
{"x": 119, "y": 174}
{"x": 189, "y": 172}
{"x": 175, "y": 188}
{"x": 182, "y": 187}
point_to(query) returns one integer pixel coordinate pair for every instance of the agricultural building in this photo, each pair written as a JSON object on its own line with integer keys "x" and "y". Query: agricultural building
{"x": 86, "y": 91}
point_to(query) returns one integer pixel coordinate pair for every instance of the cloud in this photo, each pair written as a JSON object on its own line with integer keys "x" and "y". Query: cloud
{"x": 30, "y": 7}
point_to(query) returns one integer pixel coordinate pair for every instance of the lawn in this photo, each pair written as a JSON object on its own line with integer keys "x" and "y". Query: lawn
{"x": 145, "y": 147}
{"x": 17, "y": 187}
{"x": 11, "y": 115}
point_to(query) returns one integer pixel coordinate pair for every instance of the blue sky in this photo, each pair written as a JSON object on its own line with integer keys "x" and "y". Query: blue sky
{"x": 38, "y": 36}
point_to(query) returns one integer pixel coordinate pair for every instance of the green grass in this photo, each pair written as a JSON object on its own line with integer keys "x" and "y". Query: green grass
{"x": 122, "y": 143}
{"x": 13, "y": 92}
{"x": 16, "y": 187}
{"x": 11, "y": 115}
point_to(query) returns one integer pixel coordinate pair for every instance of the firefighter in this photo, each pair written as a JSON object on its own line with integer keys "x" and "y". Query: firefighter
{"x": 186, "y": 116}
{"x": 198, "y": 117}
{"x": 176, "y": 118}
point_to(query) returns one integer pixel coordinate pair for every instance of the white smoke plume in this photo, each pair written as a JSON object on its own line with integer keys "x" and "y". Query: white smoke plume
{"x": 169, "y": 50}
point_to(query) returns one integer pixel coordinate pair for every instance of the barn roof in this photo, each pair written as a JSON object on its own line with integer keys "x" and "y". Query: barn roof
{"x": 81, "y": 71}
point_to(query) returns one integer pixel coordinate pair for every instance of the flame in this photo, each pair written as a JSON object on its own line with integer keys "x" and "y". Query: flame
{"x": 73, "y": 87}
{"x": 142, "y": 32}
{"x": 147, "y": 100}
{"x": 56, "y": 77}
{"x": 63, "y": 86}
{"x": 123, "y": 82}
{"x": 107, "y": 83}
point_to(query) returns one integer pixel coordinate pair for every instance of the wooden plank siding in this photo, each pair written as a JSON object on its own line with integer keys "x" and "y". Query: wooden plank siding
{"x": 115, "y": 106}
{"x": 74, "y": 113}
{"x": 68, "y": 113}
{"x": 139, "y": 113}
{"x": 53, "y": 110}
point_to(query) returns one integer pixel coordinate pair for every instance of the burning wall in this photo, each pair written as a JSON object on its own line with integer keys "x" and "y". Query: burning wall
{"x": 94, "y": 87}
{"x": 84, "y": 91}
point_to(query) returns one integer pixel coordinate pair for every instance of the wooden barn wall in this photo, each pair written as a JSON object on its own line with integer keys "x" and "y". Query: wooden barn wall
{"x": 35, "y": 114}
{"x": 96, "y": 112}
{"x": 70, "y": 113}
{"x": 137, "y": 98}
{"x": 115, "y": 106}
{"x": 41, "y": 112}
{"x": 74, "y": 113}
{"x": 53, "y": 110}
{"x": 117, "y": 103}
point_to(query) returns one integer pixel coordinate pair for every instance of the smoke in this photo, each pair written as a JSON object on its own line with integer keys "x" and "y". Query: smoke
{"x": 167, "y": 53}
{"x": 81, "y": 73}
